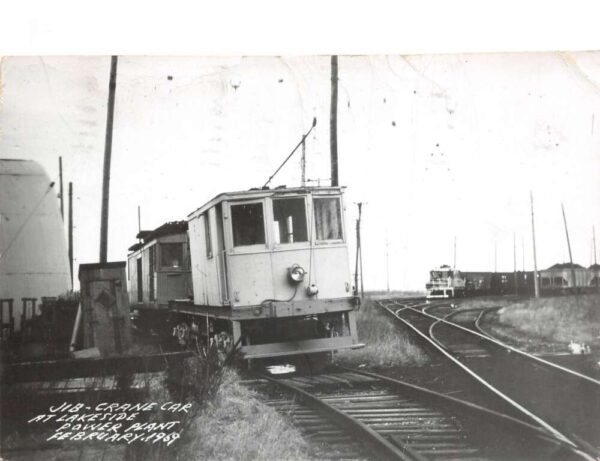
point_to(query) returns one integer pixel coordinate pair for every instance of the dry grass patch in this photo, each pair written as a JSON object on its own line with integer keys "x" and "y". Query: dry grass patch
{"x": 386, "y": 344}
{"x": 235, "y": 425}
{"x": 560, "y": 318}
{"x": 486, "y": 302}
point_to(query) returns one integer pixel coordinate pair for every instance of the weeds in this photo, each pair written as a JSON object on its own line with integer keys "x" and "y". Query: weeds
{"x": 560, "y": 318}
{"x": 386, "y": 345}
{"x": 226, "y": 421}
{"x": 236, "y": 425}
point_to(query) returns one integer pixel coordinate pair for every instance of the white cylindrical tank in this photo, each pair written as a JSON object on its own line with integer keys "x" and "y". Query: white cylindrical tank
{"x": 33, "y": 255}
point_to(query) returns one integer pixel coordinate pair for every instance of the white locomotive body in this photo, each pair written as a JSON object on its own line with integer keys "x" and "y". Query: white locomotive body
{"x": 270, "y": 268}
{"x": 445, "y": 282}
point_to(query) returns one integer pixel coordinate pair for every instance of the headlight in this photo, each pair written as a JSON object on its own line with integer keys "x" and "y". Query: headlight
{"x": 296, "y": 273}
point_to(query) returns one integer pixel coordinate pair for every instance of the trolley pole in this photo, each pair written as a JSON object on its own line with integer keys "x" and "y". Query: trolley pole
{"x": 333, "y": 121}
{"x": 107, "y": 154}
{"x": 535, "y": 273}
{"x": 303, "y": 164}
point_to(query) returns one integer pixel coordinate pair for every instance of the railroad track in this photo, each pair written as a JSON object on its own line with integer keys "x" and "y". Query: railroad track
{"x": 563, "y": 402}
{"x": 350, "y": 414}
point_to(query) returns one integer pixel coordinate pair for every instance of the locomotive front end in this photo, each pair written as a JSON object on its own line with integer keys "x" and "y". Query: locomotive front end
{"x": 278, "y": 261}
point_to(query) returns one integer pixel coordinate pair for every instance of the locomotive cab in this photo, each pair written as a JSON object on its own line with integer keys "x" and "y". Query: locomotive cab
{"x": 158, "y": 272}
{"x": 445, "y": 282}
{"x": 272, "y": 268}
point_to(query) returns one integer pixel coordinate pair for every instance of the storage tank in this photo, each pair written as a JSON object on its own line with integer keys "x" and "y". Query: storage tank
{"x": 33, "y": 254}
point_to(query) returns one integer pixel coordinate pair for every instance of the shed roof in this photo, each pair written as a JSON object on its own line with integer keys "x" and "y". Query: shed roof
{"x": 565, "y": 266}
{"x": 168, "y": 228}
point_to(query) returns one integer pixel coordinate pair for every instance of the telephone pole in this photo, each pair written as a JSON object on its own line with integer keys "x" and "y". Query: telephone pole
{"x": 595, "y": 262}
{"x": 523, "y": 251}
{"x": 495, "y": 255}
{"x": 358, "y": 264}
{"x": 515, "y": 264}
{"x": 594, "y": 240}
{"x": 535, "y": 273}
{"x": 71, "y": 231}
{"x": 62, "y": 208}
{"x": 112, "y": 85}
{"x": 333, "y": 121}
{"x": 387, "y": 260}
{"x": 573, "y": 275}
{"x": 454, "y": 267}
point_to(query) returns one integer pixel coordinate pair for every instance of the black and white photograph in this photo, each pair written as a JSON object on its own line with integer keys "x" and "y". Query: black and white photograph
{"x": 330, "y": 253}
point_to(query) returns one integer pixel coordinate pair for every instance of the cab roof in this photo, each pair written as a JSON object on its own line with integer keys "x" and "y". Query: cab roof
{"x": 169, "y": 228}
{"x": 261, "y": 193}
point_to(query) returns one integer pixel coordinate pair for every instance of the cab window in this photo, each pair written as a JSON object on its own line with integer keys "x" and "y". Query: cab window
{"x": 171, "y": 255}
{"x": 289, "y": 217}
{"x": 248, "y": 224}
{"x": 328, "y": 218}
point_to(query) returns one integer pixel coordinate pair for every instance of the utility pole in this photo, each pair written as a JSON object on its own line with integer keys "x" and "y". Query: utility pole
{"x": 454, "y": 253}
{"x": 535, "y": 273}
{"x": 573, "y": 275}
{"x": 523, "y": 251}
{"x": 62, "y": 209}
{"x": 71, "y": 231}
{"x": 139, "y": 225}
{"x": 333, "y": 121}
{"x": 495, "y": 255}
{"x": 595, "y": 262}
{"x": 112, "y": 85}
{"x": 387, "y": 260}
{"x": 594, "y": 240}
{"x": 515, "y": 264}
{"x": 358, "y": 266}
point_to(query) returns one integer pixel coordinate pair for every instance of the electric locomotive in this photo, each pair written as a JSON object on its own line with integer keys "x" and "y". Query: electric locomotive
{"x": 269, "y": 272}
{"x": 445, "y": 282}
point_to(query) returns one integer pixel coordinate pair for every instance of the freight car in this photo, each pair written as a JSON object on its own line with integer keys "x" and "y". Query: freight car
{"x": 448, "y": 283}
{"x": 557, "y": 279}
{"x": 269, "y": 271}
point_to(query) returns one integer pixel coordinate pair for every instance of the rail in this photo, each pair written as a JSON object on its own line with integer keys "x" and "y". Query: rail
{"x": 407, "y": 422}
{"x": 551, "y": 430}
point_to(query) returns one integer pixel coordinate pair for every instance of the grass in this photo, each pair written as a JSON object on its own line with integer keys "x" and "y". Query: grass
{"x": 227, "y": 421}
{"x": 235, "y": 425}
{"x": 485, "y": 302}
{"x": 386, "y": 344}
{"x": 560, "y": 318}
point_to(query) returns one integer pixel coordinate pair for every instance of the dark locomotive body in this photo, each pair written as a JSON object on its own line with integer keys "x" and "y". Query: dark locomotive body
{"x": 158, "y": 272}
{"x": 555, "y": 280}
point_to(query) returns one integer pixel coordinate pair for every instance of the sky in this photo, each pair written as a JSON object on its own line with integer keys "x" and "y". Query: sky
{"x": 438, "y": 147}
